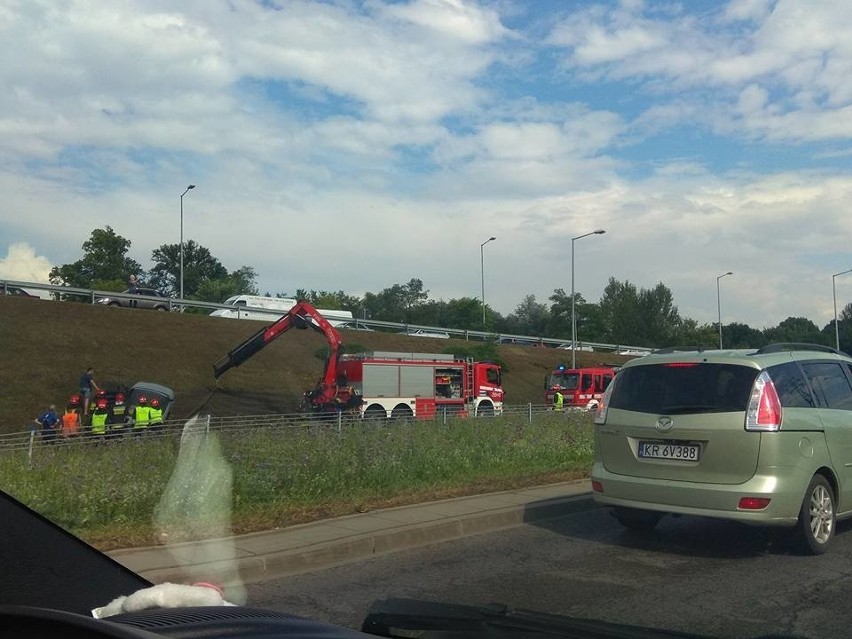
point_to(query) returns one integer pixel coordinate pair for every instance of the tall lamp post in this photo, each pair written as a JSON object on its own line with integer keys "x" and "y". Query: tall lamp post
{"x": 834, "y": 296}
{"x": 482, "y": 271}
{"x": 188, "y": 189}
{"x": 573, "y": 316}
{"x": 719, "y": 304}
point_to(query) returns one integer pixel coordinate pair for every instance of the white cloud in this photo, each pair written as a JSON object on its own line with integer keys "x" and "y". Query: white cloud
{"x": 23, "y": 265}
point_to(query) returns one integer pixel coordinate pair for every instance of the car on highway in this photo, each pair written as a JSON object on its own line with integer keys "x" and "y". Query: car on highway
{"x": 420, "y": 332}
{"x": 760, "y": 436}
{"x": 355, "y": 325}
{"x": 26, "y": 293}
{"x": 159, "y": 302}
{"x": 566, "y": 346}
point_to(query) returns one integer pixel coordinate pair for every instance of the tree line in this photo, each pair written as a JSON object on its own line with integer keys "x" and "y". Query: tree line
{"x": 625, "y": 314}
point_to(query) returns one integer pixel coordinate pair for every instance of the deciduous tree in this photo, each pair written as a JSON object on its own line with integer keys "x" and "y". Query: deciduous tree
{"x": 104, "y": 265}
{"x": 199, "y": 266}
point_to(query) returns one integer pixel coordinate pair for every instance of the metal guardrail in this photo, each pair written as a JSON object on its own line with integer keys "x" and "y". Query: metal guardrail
{"x": 316, "y": 423}
{"x": 175, "y": 304}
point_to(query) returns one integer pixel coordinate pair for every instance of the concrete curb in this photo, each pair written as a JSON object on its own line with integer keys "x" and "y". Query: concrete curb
{"x": 318, "y": 545}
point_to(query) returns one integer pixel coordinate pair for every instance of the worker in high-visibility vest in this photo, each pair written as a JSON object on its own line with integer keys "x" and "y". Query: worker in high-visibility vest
{"x": 99, "y": 418}
{"x": 155, "y": 415}
{"x": 558, "y": 401}
{"x": 142, "y": 415}
{"x": 70, "y": 421}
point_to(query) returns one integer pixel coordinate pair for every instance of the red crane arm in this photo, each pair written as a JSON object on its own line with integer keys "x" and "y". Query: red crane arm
{"x": 301, "y": 316}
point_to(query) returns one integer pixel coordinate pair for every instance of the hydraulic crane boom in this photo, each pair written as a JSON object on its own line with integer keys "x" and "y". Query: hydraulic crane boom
{"x": 301, "y": 316}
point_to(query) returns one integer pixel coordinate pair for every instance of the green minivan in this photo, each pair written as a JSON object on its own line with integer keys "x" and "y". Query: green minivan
{"x": 759, "y": 436}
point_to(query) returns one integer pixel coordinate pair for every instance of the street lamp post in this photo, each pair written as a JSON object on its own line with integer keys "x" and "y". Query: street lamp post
{"x": 573, "y": 316}
{"x": 188, "y": 189}
{"x": 834, "y": 296}
{"x": 719, "y": 304}
{"x": 482, "y": 271}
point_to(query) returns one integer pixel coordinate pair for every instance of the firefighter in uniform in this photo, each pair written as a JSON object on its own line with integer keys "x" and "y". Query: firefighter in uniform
{"x": 155, "y": 415}
{"x": 558, "y": 401}
{"x": 99, "y": 419}
{"x": 141, "y": 416}
{"x": 117, "y": 417}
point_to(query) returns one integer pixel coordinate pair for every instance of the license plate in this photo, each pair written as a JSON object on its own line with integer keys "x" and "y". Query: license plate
{"x": 669, "y": 450}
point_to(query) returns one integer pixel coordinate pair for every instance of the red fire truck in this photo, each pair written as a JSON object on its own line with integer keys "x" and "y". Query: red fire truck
{"x": 580, "y": 387}
{"x": 382, "y": 384}
{"x": 421, "y": 384}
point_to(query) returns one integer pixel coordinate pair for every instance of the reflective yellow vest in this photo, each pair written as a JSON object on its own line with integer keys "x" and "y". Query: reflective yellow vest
{"x": 99, "y": 420}
{"x": 142, "y": 417}
{"x": 557, "y": 401}
{"x": 155, "y": 415}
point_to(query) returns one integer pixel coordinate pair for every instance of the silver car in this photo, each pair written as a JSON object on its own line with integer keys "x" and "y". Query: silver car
{"x": 143, "y": 298}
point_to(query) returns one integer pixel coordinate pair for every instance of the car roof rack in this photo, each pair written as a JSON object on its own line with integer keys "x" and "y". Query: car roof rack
{"x": 782, "y": 347}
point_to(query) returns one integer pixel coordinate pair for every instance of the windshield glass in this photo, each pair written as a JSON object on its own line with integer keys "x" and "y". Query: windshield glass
{"x": 565, "y": 381}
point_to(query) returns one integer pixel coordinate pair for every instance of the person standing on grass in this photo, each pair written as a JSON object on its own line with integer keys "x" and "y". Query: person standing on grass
{"x": 87, "y": 382}
{"x": 49, "y": 423}
{"x": 99, "y": 419}
{"x": 70, "y": 422}
{"x": 558, "y": 401}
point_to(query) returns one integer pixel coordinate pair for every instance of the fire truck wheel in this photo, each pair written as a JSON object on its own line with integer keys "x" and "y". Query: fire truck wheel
{"x": 401, "y": 411}
{"x": 485, "y": 410}
{"x": 375, "y": 413}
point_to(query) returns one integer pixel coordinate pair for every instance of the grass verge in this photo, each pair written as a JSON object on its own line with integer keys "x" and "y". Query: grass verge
{"x": 140, "y": 492}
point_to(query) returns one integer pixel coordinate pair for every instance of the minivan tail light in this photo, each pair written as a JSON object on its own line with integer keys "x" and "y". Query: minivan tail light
{"x": 764, "y": 407}
{"x": 603, "y": 405}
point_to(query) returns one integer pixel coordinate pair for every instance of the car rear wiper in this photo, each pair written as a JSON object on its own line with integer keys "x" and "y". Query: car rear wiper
{"x": 406, "y": 618}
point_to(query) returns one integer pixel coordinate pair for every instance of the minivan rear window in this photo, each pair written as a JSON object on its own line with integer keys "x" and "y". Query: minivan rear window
{"x": 665, "y": 389}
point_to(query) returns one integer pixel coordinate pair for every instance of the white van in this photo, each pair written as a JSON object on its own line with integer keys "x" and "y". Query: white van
{"x": 269, "y": 309}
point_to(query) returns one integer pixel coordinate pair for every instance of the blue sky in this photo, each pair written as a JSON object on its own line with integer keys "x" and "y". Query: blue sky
{"x": 355, "y": 145}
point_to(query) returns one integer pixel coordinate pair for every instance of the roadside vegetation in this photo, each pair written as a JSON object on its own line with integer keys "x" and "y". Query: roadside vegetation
{"x": 247, "y": 480}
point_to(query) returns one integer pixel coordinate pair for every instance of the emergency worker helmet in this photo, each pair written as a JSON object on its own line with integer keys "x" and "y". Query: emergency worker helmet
{"x": 143, "y": 399}
{"x": 102, "y": 403}
{"x": 155, "y": 402}
{"x": 74, "y": 400}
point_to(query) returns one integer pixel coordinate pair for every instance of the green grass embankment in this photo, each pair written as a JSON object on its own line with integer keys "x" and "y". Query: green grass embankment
{"x": 46, "y": 345}
{"x": 109, "y": 494}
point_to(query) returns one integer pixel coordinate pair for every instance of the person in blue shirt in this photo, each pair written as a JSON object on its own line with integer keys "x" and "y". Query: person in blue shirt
{"x": 48, "y": 421}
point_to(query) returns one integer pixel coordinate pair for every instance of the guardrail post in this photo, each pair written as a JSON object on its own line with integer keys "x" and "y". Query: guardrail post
{"x": 207, "y": 431}
{"x": 529, "y": 408}
{"x": 339, "y": 421}
{"x": 30, "y": 451}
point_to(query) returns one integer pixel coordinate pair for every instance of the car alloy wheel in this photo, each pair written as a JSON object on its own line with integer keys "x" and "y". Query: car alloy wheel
{"x": 817, "y": 516}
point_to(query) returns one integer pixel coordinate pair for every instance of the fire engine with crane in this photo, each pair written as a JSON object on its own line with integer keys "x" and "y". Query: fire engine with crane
{"x": 580, "y": 387}
{"x": 382, "y": 384}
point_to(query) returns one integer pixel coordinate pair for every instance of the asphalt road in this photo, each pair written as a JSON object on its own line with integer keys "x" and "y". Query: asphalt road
{"x": 696, "y": 575}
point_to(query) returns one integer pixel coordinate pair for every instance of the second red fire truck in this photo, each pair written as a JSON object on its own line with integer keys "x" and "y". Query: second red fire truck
{"x": 381, "y": 384}
{"x": 580, "y": 387}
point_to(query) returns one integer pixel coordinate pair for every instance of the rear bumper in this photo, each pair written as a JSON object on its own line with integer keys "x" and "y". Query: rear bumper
{"x": 784, "y": 486}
